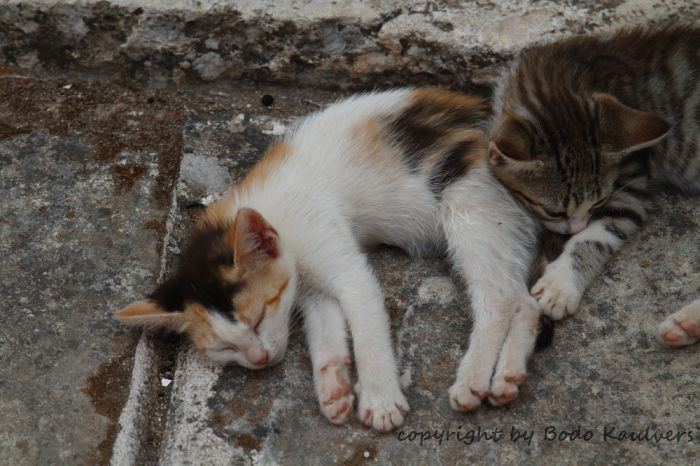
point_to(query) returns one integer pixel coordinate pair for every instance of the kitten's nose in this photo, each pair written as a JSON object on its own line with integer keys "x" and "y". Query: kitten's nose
{"x": 573, "y": 227}
{"x": 257, "y": 355}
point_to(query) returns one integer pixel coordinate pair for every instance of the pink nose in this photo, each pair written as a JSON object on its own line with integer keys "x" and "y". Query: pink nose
{"x": 257, "y": 355}
{"x": 574, "y": 227}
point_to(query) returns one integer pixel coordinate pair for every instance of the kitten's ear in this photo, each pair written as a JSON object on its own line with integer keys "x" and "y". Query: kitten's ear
{"x": 252, "y": 239}
{"x": 511, "y": 141}
{"x": 147, "y": 313}
{"x": 624, "y": 129}
{"x": 503, "y": 164}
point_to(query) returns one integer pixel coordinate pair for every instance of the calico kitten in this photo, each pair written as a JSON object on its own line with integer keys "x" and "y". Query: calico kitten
{"x": 406, "y": 168}
{"x": 584, "y": 129}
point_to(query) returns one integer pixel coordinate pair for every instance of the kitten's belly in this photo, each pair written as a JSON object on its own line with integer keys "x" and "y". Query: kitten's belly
{"x": 408, "y": 218}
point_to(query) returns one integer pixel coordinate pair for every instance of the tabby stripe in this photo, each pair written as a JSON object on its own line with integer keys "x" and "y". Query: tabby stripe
{"x": 614, "y": 230}
{"x": 640, "y": 193}
{"x": 619, "y": 212}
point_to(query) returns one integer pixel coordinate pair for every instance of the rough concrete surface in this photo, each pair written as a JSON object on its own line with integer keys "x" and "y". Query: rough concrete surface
{"x": 110, "y": 144}
{"x": 330, "y": 43}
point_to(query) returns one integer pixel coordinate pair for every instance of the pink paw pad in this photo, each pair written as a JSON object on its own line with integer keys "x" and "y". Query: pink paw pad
{"x": 691, "y": 328}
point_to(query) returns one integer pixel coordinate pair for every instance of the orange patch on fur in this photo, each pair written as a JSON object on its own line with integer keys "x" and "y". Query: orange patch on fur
{"x": 263, "y": 291}
{"x": 275, "y": 154}
{"x": 449, "y": 99}
{"x": 218, "y": 213}
{"x": 198, "y": 326}
{"x": 376, "y": 151}
{"x": 276, "y": 298}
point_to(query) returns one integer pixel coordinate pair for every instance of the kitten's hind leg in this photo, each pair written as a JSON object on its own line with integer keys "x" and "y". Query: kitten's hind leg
{"x": 511, "y": 369}
{"x": 682, "y": 327}
{"x": 327, "y": 339}
{"x": 491, "y": 241}
{"x": 473, "y": 379}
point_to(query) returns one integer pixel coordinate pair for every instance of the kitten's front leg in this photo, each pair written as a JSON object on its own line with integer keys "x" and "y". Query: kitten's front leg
{"x": 327, "y": 339}
{"x": 682, "y": 327}
{"x": 561, "y": 287}
{"x": 381, "y": 405}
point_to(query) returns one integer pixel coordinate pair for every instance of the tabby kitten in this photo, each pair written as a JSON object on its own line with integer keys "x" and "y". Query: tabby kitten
{"x": 406, "y": 168}
{"x": 584, "y": 130}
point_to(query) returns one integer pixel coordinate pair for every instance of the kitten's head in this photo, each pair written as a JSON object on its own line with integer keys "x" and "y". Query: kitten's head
{"x": 232, "y": 295}
{"x": 562, "y": 163}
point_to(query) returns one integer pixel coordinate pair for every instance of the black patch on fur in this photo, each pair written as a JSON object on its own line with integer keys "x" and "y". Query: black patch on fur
{"x": 423, "y": 123}
{"x": 197, "y": 278}
{"x": 415, "y": 136}
{"x": 545, "y": 335}
{"x": 454, "y": 164}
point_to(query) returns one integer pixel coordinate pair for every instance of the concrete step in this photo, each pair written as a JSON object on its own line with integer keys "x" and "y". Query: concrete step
{"x": 102, "y": 173}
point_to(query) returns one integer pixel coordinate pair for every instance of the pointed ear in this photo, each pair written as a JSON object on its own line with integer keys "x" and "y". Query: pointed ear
{"x": 511, "y": 141}
{"x": 253, "y": 240}
{"x": 148, "y": 314}
{"x": 624, "y": 129}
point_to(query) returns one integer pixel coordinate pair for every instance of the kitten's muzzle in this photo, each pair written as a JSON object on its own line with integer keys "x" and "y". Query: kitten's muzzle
{"x": 257, "y": 355}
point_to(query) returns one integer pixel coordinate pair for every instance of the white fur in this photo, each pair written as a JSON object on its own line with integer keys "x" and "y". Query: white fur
{"x": 491, "y": 241}
{"x": 682, "y": 327}
{"x": 326, "y": 206}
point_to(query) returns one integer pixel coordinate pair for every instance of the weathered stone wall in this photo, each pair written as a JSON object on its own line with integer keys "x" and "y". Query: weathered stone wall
{"x": 327, "y": 43}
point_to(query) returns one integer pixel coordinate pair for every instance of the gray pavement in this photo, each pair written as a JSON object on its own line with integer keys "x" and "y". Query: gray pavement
{"x": 106, "y": 156}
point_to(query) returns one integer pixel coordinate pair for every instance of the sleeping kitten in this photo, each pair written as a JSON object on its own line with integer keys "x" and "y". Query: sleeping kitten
{"x": 406, "y": 168}
{"x": 584, "y": 128}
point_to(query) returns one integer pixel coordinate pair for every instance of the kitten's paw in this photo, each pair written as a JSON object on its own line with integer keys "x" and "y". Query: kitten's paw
{"x": 380, "y": 408}
{"x": 511, "y": 370}
{"x": 557, "y": 291}
{"x": 681, "y": 328}
{"x": 473, "y": 381}
{"x": 334, "y": 393}
{"x": 504, "y": 388}
{"x": 466, "y": 396}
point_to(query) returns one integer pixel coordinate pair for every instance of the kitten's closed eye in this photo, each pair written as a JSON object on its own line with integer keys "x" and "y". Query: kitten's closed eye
{"x": 260, "y": 318}
{"x": 553, "y": 214}
{"x": 598, "y": 204}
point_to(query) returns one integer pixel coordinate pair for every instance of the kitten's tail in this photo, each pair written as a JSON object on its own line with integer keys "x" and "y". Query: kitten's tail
{"x": 550, "y": 247}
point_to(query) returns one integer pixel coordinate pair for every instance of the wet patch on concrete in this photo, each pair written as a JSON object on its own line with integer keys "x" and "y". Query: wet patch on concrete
{"x": 76, "y": 248}
{"x": 108, "y": 388}
{"x": 114, "y": 118}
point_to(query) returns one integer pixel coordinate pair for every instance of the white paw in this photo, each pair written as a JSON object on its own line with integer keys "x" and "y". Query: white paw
{"x": 681, "y": 328}
{"x": 472, "y": 384}
{"x": 557, "y": 290}
{"x": 511, "y": 370}
{"x": 504, "y": 388}
{"x": 466, "y": 396}
{"x": 334, "y": 393}
{"x": 381, "y": 408}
